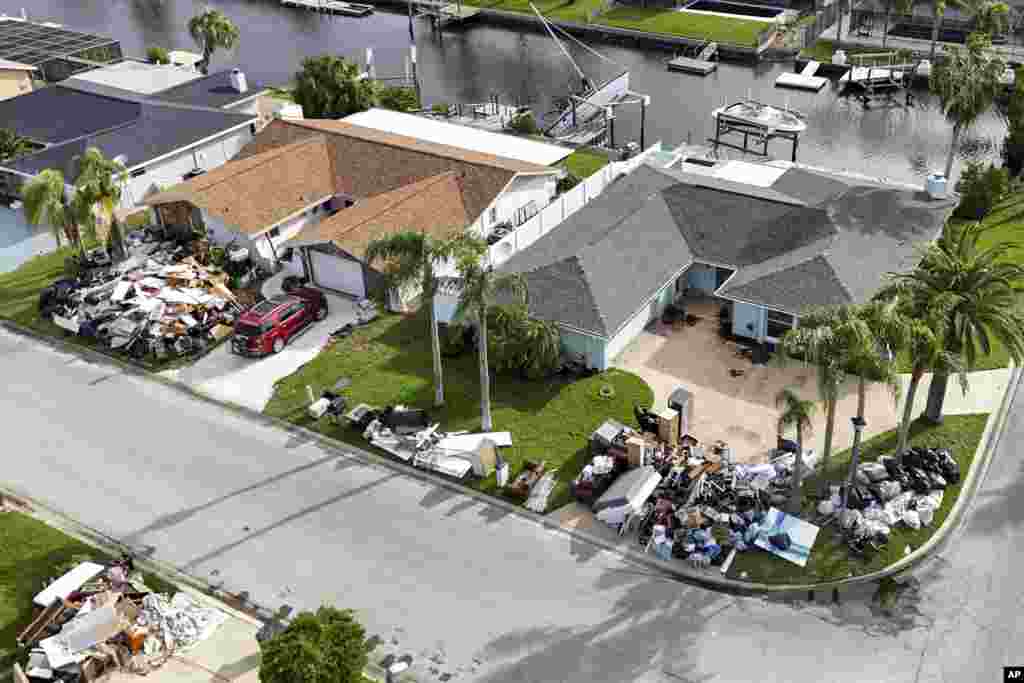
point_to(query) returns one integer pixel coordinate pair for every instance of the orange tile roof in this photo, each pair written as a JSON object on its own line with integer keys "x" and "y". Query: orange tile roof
{"x": 256, "y": 193}
{"x": 434, "y": 206}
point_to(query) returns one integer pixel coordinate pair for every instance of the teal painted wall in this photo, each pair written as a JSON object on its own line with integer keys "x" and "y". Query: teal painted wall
{"x": 591, "y": 347}
{"x": 744, "y": 314}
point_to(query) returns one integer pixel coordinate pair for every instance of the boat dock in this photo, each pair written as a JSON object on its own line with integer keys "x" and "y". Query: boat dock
{"x": 805, "y": 80}
{"x": 700, "y": 65}
{"x": 351, "y": 9}
{"x": 490, "y": 116}
{"x": 442, "y": 12}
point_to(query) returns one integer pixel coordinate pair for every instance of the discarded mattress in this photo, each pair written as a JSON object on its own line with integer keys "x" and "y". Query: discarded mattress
{"x": 68, "y": 584}
{"x": 631, "y": 490}
{"x": 471, "y": 442}
{"x": 801, "y": 536}
{"x": 81, "y": 633}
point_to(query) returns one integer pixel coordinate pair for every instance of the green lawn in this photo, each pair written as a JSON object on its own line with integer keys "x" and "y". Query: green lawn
{"x": 584, "y": 163}
{"x": 389, "y": 362}
{"x": 830, "y": 558}
{"x": 822, "y": 51}
{"x": 688, "y": 24}
{"x": 32, "y": 553}
{"x": 578, "y": 11}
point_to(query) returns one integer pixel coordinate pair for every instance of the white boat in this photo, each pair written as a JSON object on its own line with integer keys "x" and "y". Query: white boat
{"x": 762, "y": 115}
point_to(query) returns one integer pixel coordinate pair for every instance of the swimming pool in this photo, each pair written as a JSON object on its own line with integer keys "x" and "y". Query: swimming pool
{"x": 738, "y": 8}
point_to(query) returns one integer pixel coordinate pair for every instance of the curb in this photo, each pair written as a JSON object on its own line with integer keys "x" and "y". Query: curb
{"x": 675, "y": 570}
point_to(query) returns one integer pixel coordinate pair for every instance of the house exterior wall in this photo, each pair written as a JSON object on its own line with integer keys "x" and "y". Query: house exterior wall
{"x": 592, "y": 348}
{"x": 13, "y": 83}
{"x": 651, "y": 311}
{"x": 702, "y": 277}
{"x": 749, "y": 320}
{"x": 170, "y": 171}
{"x": 221, "y": 233}
{"x": 520, "y": 192}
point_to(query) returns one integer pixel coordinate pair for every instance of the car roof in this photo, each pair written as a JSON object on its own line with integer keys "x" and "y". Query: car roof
{"x": 268, "y": 307}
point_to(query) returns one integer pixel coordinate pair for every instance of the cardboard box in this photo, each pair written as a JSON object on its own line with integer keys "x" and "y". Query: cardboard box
{"x": 668, "y": 427}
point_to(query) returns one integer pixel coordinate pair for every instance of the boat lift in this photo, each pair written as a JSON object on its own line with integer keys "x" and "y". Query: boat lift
{"x": 757, "y": 122}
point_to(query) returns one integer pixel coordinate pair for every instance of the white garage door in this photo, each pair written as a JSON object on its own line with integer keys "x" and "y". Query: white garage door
{"x": 339, "y": 274}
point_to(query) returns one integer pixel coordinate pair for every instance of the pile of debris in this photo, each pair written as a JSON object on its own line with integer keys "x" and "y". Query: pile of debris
{"x": 98, "y": 618}
{"x": 408, "y": 434}
{"x": 906, "y": 489}
{"x": 161, "y": 301}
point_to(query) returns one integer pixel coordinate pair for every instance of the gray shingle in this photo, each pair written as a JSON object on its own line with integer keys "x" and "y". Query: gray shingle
{"x": 57, "y": 114}
{"x": 792, "y": 287}
{"x": 214, "y": 91}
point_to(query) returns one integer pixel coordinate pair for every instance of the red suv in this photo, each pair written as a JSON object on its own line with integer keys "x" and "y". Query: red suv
{"x": 269, "y": 325}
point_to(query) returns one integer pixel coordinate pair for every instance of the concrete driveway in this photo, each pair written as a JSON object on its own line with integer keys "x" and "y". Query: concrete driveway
{"x": 249, "y": 382}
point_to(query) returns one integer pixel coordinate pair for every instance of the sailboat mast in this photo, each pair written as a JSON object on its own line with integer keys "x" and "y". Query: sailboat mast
{"x": 565, "y": 52}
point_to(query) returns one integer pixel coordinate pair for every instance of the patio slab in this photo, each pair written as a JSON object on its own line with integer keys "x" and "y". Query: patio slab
{"x": 741, "y": 410}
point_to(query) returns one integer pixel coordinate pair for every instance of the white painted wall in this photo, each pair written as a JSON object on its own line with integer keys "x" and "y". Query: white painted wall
{"x": 520, "y": 192}
{"x": 639, "y": 321}
{"x": 221, "y": 233}
{"x": 169, "y": 172}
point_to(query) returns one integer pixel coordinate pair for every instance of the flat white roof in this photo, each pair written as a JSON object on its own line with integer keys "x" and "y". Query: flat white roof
{"x": 138, "y": 77}
{"x": 464, "y": 137}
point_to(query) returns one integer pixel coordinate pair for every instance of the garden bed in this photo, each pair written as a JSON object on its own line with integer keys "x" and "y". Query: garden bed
{"x": 389, "y": 362}
{"x": 830, "y": 559}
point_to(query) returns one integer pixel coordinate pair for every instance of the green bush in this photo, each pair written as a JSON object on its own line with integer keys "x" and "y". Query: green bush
{"x": 981, "y": 187}
{"x": 157, "y": 55}
{"x": 567, "y": 183}
{"x": 453, "y": 340}
{"x": 519, "y": 343}
{"x": 441, "y": 108}
{"x": 524, "y": 124}
{"x": 326, "y": 646}
{"x": 399, "y": 98}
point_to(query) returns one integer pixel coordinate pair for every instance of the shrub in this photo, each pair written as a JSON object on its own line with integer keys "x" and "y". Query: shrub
{"x": 980, "y": 189}
{"x": 519, "y": 343}
{"x": 567, "y": 183}
{"x": 441, "y": 108}
{"x": 326, "y": 646}
{"x": 399, "y": 98}
{"x": 524, "y": 124}
{"x": 454, "y": 340}
{"x": 157, "y": 55}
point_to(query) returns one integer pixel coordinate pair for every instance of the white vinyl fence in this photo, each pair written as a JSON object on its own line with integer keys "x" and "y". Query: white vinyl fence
{"x": 564, "y": 206}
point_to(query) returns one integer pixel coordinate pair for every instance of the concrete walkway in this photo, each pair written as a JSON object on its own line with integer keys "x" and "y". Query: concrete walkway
{"x": 984, "y": 392}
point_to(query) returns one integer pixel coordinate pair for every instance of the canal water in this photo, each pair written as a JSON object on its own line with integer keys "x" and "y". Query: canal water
{"x": 523, "y": 66}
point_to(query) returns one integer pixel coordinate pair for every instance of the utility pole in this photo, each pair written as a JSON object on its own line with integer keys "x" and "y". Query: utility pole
{"x": 644, "y": 103}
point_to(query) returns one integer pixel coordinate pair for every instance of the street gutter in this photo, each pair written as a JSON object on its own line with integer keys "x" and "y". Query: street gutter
{"x": 677, "y": 570}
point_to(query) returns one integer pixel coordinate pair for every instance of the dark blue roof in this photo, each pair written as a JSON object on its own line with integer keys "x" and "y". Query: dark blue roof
{"x": 56, "y": 114}
{"x": 214, "y": 90}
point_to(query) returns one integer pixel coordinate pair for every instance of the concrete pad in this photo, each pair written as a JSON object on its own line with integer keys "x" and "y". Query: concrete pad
{"x": 984, "y": 392}
{"x": 741, "y": 410}
{"x": 250, "y": 382}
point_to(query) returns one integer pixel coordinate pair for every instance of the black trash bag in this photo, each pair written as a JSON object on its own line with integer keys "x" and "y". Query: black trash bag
{"x": 950, "y": 467}
{"x": 856, "y": 499}
{"x": 938, "y": 481}
{"x": 781, "y": 541}
{"x": 920, "y": 481}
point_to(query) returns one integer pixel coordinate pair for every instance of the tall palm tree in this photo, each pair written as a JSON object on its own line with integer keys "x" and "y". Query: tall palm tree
{"x": 990, "y": 16}
{"x": 817, "y": 341}
{"x": 412, "y": 258}
{"x": 12, "y": 145}
{"x": 45, "y": 201}
{"x": 480, "y": 287}
{"x": 902, "y": 7}
{"x": 967, "y": 84}
{"x": 212, "y": 30}
{"x": 980, "y": 287}
{"x": 797, "y": 413}
{"x": 939, "y": 11}
{"x": 99, "y": 184}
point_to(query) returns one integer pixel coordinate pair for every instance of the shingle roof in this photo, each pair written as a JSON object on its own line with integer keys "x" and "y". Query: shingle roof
{"x": 214, "y": 91}
{"x": 58, "y": 114}
{"x": 154, "y": 131}
{"x": 368, "y": 162}
{"x": 434, "y": 206}
{"x": 810, "y": 239}
{"x": 258, "y": 192}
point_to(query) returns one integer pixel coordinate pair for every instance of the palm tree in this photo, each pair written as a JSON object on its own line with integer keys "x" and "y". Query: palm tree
{"x": 979, "y": 289}
{"x": 816, "y": 341}
{"x": 12, "y": 145}
{"x": 901, "y": 6}
{"x": 212, "y": 31}
{"x": 45, "y": 201}
{"x": 796, "y": 412}
{"x": 991, "y": 16}
{"x": 967, "y": 83}
{"x": 99, "y": 184}
{"x": 330, "y": 87}
{"x": 412, "y": 258}
{"x": 939, "y": 9}
{"x": 480, "y": 287}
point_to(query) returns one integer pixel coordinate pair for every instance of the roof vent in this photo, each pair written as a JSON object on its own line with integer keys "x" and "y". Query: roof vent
{"x": 238, "y": 81}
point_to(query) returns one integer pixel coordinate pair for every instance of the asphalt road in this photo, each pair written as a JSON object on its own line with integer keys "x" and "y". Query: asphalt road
{"x": 491, "y": 596}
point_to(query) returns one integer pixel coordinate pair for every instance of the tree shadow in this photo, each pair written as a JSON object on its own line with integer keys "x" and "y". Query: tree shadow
{"x": 998, "y": 509}
{"x": 230, "y": 672}
{"x": 437, "y": 496}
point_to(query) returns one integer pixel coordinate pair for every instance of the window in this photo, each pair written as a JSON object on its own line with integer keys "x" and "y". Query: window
{"x": 779, "y": 324}
{"x": 493, "y": 215}
{"x": 137, "y": 172}
{"x": 525, "y": 213}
